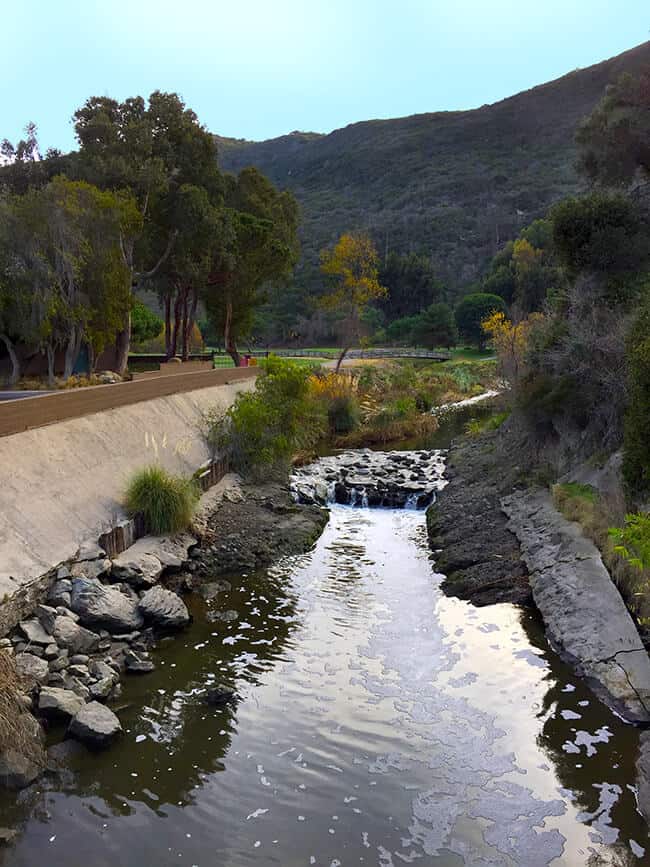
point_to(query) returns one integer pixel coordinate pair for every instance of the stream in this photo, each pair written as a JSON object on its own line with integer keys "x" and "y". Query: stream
{"x": 377, "y": 722}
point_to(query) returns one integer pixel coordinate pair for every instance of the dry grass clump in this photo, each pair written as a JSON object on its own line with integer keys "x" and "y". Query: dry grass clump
{"x": 18, "y": 729}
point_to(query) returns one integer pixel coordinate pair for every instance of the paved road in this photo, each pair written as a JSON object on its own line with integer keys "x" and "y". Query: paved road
{"x": 17, "y": 395}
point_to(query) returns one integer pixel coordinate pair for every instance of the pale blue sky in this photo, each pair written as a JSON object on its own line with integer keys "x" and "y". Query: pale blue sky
{"x": 261, "y": 68}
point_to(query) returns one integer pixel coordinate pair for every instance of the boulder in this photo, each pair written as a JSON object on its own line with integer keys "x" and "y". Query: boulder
{"x": 90, "y": 550}
{"x": 32, "y": 667}
{"x": 136, "y": 664}
{"x": 91, "y": 568}
{"x": 75, "y": 685}
{"x": 95, "y": 725}
{"x": 219, "y": 695}
{"x": 34, "y": 632}
{"x": 141, "y": 570}
{"x": 99, "y": 605}
{"x": 16, "y": 770}
{"x": 60, "y": 592}
{"x": 59, "y": 703}
{"x": 46, "y": 615}
{"x": 101, "y": 689}
{"x": 164, "y": 608}
{"x": 69, "y": 634}
{"x": 51, "y": 652}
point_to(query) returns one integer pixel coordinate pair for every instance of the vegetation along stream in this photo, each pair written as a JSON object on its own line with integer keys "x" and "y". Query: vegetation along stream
{"x": 377, "y": 721}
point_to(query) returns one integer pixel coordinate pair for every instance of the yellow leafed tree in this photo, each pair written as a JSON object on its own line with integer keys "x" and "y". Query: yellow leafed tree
{"x": 353, "y": 266}
{"x": 511, "y": 342}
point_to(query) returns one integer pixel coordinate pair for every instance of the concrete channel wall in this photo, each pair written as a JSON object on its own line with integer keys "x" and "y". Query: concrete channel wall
{"x": 62, "y": 484}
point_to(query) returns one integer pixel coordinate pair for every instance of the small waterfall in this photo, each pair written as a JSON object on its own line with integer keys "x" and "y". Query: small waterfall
{"x": 371, "y": 479}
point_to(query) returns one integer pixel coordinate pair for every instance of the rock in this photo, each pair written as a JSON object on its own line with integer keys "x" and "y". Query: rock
{"x": 46, "y": 615}
{"x": 223, "y": 616}
{"x": 7, "y": 836}
{"x": 60, "y": 592}
{"x": 98, "y": 605}
{"x": 79, "y": 659}
{"x": 212, "y": 589}
{"x": 74, "y": 684}
{"x": 59, "y": 703}
{"x": 32, "y": 667}
{"x": 101, "y": 689}
{"x": 62, "y": 661}
{"x": 61, "y": 753}
{"x": 65, "y": 612}
{"x": 584, "y": 614}
{"x": 643, "y": 775}
{"x": 51, "y": 652}
{"x": 16, "y": 770}
{"x": 69, "y": 634}
{"x": 80, "y": 671}
{"x": 36, "y": 649}
{"x": 34, "y": 632}
{"x": 219, "y": 695}
{"x": 100, "y": 670}
{"x": 56, "y": 679}
{"x": 95, "y": 725}
{"x": 136, "y": 664}
{"x": 164, "y": 608}
{"x": 5, "y": 643}
{"x": 62, "y": 573}
{"x": 90, "y": 550}
{"x": 91, "y": 568}
{"x": 140, "y": 571}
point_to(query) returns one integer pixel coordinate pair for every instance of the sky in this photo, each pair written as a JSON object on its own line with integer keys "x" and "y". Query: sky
{"x": 257, "y": 69}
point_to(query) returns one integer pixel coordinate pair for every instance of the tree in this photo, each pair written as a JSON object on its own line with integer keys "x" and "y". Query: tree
{"x": 472, "y": 311}
{"x": 145, "y": 324}
{"x": 155, "y": 151}
{"x": 259, "y": 246}
{"x": 436, "y": 326}
{"x": 614, "y": 140}
{"x": 411, "y": 283}
{"x": 353, "y": 266}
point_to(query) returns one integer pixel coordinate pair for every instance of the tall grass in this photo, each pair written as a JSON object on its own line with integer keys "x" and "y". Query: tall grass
{"x": 18, "y": 729}
{"x": 166, "y": 502}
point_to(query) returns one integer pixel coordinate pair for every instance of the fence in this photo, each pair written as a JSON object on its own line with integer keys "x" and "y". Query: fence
{"x": 32, "y": 412}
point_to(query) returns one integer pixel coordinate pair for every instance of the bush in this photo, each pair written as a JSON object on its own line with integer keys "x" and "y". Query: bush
{"x": 166, "y": 502}
{"x": 636, "y": 439}
{"x": 262, "y": 429}
{"x": 473, "y": 310}
{"x": 634, "y": 540}
{"x": 343, "y": 414}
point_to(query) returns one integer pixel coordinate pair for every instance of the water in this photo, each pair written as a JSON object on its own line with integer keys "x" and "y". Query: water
{"x": 378, "y": 723}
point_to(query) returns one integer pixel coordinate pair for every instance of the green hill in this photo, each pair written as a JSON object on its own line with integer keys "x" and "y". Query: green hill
{"x": 454, "y": 185}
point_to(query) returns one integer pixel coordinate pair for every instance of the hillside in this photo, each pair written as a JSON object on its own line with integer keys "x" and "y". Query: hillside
{"x": 453, "y": 185}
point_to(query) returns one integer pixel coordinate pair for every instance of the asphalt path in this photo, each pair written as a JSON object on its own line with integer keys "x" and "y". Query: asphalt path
{"x": 18, "y": 395}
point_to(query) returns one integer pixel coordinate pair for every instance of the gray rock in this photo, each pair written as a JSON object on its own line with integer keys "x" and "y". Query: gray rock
{"x": 46, "y": 615}
{"x": 34, "y": 632}
{"x": 90, "y": 550}
{"x": 99, "y": 605}
{"x": 5, "y": 643}
{"x": 74, "y": 684}
{"x": 219, "y": 695}
{"x": 141, "y": 570}
{"x": 60, "y": 754}
{"x": 225, "y": 616}
{"x": 56, "y": 679}
{"x": 80, "y": 671}
{"x": 69, "y": 634}
{"x": 101, "y": 689}
{"x": 95, "y": 725}
{"x": 164, "y": 608}
{"x": 212, "y": 589}
{"x": 91, "y": 569}
{"x": 62, "y": 661}
{"x": 36, "y": 649}
{"x": 62, "y": 573}
{"x": 137, "y": 664}
{"x": 643, "y": 775}
{"x": 60, "y": 592}
{"x": 584, "y": 614}
{"x": 16, "y": 770}
{"x": 65, "y": 612}
{"x": 79, "y": 659}
{"x": 59, "y": 703}
{"x": 32, "y": 667}
{"x": 51, "y": 652}
{"x": 100, "y": 670}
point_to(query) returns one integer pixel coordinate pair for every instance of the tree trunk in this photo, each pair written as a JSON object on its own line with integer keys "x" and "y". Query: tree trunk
{"x": 340, "y": 359}
{"x": 229, "y": 342}
{"x": 71, "y": 353}
{"x": 189, "y": 319}
{"x": 178, "y": 304}
{"x": 168, "y": 326}
{"x": 185, "y": 350}
{"x": 15, "y": 362}
{"x": 50, "y": 364}
{"x": 122, "y": 346}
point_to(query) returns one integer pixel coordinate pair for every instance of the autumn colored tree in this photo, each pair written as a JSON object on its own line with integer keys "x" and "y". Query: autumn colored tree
{"x": 511, "y": 342}
{"x": 353, "y": 266}
{"x": 472, "y": 311}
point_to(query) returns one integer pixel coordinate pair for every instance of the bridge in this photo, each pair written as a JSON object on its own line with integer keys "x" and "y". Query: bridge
{"x": 394, "y": 352}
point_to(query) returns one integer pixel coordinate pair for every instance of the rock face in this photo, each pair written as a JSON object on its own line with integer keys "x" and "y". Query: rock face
{"x": 164, "y": 608}
{"x": 95, "y": 725}
{"x": 16, "y": 770}
{"x": 75, "y": 638}
{"x": 59, "y": 703}
{"x": 584, "y": 614}
{"x": 99, "y": 605}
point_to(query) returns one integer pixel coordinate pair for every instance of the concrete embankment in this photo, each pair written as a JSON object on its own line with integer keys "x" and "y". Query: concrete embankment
{"x": 63, "y": 484}
{"x": 584, "y": 614}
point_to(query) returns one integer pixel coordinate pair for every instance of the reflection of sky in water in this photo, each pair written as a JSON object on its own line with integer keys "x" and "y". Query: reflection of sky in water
{"x": 377, "y": 722}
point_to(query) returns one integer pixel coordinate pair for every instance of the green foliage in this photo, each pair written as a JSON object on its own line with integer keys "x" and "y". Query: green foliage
{"x": 602, "y": 233}
{"x": 575, "y": 490}
{"x": 166, "y": 502}
{"x": 412, "y": 285}
{"x": 633, "y": 540}
{"x": 636, "y": 442}
{"x": 475, "y": 309}
{"x": 262, "y": 429}
{"x": 476, "y": 426}
{"x": 343, "y": 414}
{"x": 435, "y": 326}
{"x": 145, "y": 325}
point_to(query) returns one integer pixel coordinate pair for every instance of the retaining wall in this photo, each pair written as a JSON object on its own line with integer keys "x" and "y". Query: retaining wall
{"x": 62, "y": 484}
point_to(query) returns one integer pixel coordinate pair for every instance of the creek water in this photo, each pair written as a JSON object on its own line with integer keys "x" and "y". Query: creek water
{"x": 378, "y": 722}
